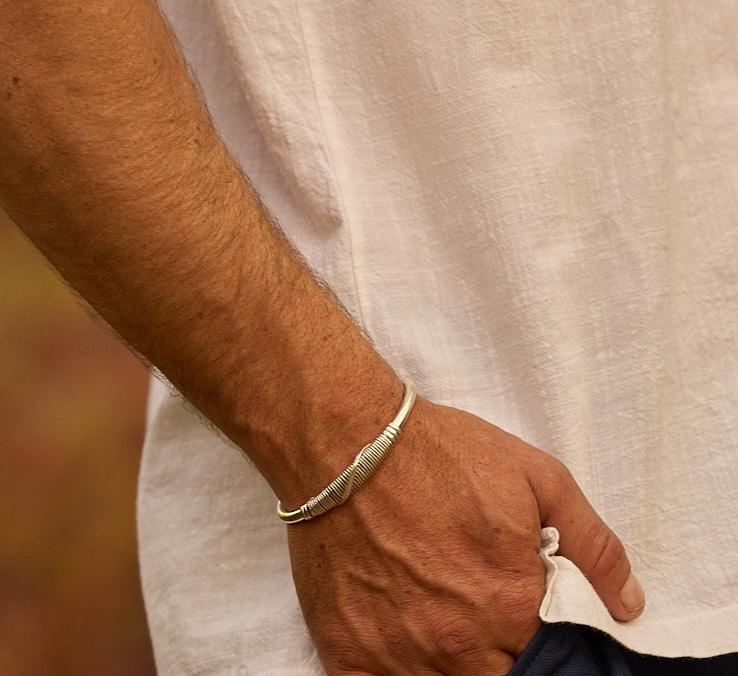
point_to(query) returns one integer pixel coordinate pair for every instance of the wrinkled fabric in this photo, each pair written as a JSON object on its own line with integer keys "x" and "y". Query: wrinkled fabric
{"x": 531, "y": 209}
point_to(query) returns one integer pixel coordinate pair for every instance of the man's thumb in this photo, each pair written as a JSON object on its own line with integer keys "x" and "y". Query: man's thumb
{"x": 588, "y": 542}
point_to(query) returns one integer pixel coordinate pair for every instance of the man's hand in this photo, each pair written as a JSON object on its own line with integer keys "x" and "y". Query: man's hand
{"x": 433, "y": 566}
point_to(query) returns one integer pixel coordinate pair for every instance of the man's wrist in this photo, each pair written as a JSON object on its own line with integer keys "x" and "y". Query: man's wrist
{"x": 340, "y": 419}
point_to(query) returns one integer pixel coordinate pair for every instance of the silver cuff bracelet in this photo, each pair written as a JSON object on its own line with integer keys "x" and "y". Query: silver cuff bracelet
{"x": 358, "y": 472}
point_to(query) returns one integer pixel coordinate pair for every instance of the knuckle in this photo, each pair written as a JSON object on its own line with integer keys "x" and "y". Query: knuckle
{"x": 519, "y": 604}
{"x": 456, "y": 638}
{"x": 551, "y": 474}
{"x": 341, "y": 654}
{"x": 608, "y": 552}
{"x": 560, "y": 473}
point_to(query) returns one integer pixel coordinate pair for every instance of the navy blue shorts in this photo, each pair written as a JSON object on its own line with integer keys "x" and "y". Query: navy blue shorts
{"x": 566, "y": 649}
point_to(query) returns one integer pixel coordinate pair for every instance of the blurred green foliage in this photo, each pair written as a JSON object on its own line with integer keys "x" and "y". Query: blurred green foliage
{"x": 72, "y": 403}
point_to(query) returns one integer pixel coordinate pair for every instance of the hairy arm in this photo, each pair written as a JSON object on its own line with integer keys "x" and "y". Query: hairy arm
{"x": 111, "y": 166}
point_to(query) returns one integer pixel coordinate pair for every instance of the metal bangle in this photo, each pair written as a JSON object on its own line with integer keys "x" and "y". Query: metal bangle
{"x": 365, "y": 463}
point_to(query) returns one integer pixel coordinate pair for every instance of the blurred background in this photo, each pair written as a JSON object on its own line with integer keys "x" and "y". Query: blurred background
{"x": 72, "y": 404}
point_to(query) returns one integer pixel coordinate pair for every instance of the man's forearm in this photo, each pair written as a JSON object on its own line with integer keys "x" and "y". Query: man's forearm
{"x": 112, "y": 168}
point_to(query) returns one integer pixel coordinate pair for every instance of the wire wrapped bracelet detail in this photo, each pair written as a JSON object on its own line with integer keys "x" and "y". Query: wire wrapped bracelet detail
{"x": 365, "y": 463}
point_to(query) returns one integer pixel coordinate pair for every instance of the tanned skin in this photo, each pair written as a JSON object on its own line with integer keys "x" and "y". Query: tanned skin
{"x": 111, "y": 166}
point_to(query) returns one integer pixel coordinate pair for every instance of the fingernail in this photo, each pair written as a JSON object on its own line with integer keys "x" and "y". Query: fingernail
{"x": 632, "y": 595}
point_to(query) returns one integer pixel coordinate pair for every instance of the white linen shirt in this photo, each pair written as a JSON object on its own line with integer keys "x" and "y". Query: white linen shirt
{"x": 531, "y": 209}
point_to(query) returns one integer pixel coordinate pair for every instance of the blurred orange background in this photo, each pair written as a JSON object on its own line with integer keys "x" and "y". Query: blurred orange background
{"x": 72, "y": 404}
